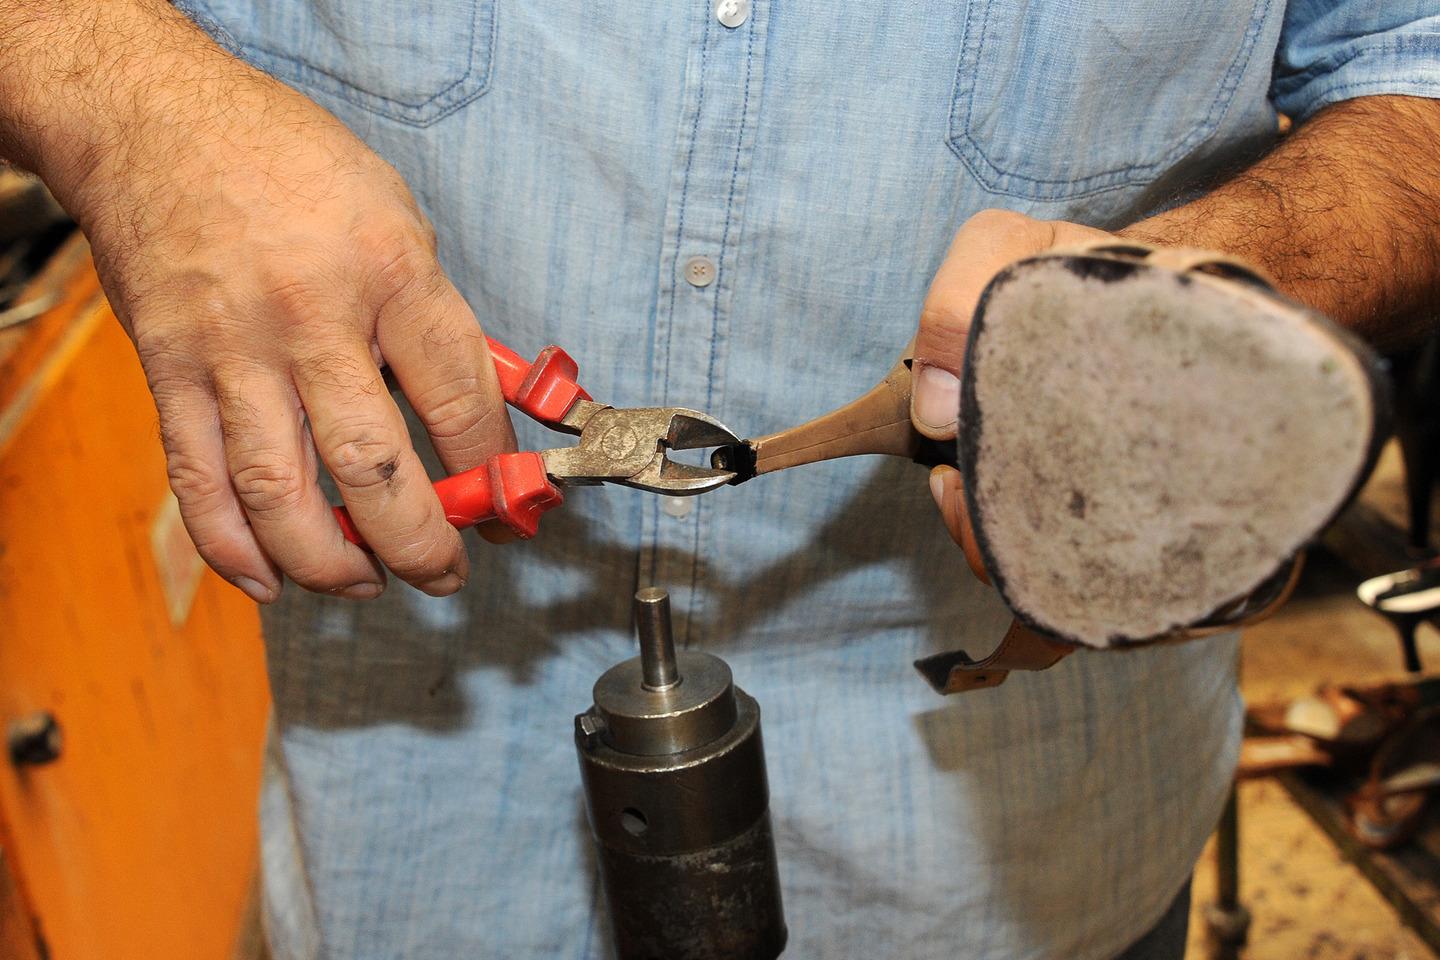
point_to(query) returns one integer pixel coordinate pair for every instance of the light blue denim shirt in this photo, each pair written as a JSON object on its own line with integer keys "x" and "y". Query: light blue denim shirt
{"x": 422, "y": 799}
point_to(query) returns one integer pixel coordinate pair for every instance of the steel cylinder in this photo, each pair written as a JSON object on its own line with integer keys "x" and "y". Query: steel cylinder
{"x": 678, "y": 803}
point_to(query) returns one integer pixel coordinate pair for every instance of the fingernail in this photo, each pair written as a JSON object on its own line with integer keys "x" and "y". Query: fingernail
{"x": 443, "y": 585}
{"x": 254, "y": 589}
{"x": 937, "y": 397}
{"x": 937, "y": 488}
{"x": 366, "y": 590}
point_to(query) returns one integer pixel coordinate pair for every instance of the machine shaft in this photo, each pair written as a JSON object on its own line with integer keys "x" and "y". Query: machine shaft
{"x": 657, "y": 644}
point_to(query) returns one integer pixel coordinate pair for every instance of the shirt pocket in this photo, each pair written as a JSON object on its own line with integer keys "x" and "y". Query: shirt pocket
{"x": 412, "y": 62}
{"x": 1060, "y": 99}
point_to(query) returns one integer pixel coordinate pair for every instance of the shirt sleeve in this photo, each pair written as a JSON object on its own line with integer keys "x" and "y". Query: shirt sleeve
{"x": 1333, "y": 50}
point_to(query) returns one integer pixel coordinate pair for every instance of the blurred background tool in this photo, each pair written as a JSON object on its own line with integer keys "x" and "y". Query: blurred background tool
{"x": 32, "y": 226}
{"x": 675, "y": 789}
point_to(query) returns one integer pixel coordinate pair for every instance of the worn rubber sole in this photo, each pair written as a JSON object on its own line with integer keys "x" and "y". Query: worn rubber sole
{"x": 1146, "y": 441}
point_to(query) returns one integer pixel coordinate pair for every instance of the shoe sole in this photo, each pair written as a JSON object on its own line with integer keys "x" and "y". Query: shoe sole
{"x": 1147, "y": 438}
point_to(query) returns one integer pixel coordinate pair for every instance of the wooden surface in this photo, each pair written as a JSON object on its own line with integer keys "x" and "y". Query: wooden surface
{"x": 1369, "y": 539}
{"x": 1315, "y": 893}
{"x": 140, "y": 840}
{"x": 19, "y": 940}
{"x": 1308, "y": 900}
{"x": 1408, "y": 877}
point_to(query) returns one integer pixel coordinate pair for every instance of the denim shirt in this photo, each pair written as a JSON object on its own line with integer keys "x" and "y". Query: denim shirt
{"x": 422, "y": 793}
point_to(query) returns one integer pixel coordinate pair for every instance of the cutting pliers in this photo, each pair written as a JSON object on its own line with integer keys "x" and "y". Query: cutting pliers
{"x": 625, "y": 446}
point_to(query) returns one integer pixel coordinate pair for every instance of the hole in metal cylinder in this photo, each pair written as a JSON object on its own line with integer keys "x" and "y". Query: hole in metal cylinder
{"x": 633, "y": 821}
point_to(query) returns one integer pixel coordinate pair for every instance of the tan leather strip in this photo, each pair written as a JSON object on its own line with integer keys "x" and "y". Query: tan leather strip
{"x": 1186, "y": 260}
{"x": 1020, "y": 649}
{"x": 878, "y": 422}
{"x": 1179, "y": 259}
{"x": 1024, "y": 649}
{"x": 1245, "y": 614}
{"x": 1110, "y": 246}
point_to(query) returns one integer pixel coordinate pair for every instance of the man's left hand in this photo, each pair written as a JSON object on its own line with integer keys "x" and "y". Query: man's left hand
{"x": 986, "y": 244}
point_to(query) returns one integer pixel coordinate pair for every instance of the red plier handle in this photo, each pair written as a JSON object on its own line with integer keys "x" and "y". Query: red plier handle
{"x": 513, "y": 487}
{"x": 544, "y": 390}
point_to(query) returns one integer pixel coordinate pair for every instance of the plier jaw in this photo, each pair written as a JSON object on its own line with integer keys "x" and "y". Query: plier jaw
{"x": 629, "y": 447}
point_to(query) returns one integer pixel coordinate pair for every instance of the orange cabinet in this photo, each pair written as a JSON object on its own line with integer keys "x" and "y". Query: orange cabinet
{"x": 139, "y": 839}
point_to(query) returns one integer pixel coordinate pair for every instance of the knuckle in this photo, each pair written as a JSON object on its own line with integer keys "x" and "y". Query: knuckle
{"x": 404, "y": 276}
{"x": 267, "y": 482}
{"x": 451, "y": 409}
{"x": 195, "y": 481}
{"x": 940, "y": 316}
{"x": 319, "y": 577}
{"x": 361, "y": 455}
{"x": 427, "y": 230}
{"x": 179, "y": 400}
{"x": 164, "y": 349}
{"x": 395, "y": 260}
{"x": 179, "y": 335}
{"x": 423, "y": 557}
{"x": 298, "y": 297}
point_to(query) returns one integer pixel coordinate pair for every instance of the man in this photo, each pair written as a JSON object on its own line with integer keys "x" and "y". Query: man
{"x": 740, "y": 208}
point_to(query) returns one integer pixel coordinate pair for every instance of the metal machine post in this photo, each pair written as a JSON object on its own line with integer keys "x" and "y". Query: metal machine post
{"x": 675, "y": 788}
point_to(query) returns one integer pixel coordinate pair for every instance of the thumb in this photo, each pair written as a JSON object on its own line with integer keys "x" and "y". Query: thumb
{"x": 987, "y": 243}
{"x": 935, "y": 400}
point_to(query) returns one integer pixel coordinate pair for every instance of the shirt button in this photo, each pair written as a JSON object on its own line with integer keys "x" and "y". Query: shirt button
{"x": 732, "y": 13}
{"x": 677, "y": 507}
{"x": 699, "y": 272}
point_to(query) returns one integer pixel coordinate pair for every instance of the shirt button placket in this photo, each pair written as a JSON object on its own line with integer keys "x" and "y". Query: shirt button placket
{"x": 714, "y": 138}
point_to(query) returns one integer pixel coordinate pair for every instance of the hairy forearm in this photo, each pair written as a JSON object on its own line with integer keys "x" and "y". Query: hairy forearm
{"x": 1344, "y": 214}
{"x": 265, "y": 263}
{"x": 82, "y": 82}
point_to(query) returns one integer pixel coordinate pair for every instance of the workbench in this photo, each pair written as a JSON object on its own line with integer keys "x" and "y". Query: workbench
{"x": 129, "y": 831}
{"x": 1370, "y": 540}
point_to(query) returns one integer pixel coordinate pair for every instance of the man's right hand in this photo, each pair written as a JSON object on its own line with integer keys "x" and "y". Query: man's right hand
{"x": 267, "y": 264}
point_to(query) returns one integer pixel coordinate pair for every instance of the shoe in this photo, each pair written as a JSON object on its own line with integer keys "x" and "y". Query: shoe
{"x": 1148, "y": 439}
{"x": 1404, "y": 776}
{"x": 1337, "y": 726}
{"x": 1407, "y": 599}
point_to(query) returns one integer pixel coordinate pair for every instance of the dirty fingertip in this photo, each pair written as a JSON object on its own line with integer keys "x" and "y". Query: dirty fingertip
{"x": 443, "y": 585}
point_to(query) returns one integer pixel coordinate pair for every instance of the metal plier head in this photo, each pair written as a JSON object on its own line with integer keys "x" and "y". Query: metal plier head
{"x": 631, "y": 446}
